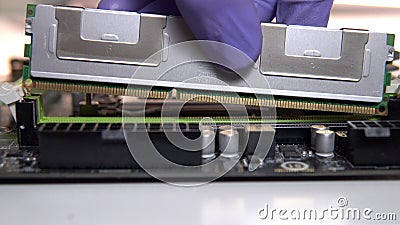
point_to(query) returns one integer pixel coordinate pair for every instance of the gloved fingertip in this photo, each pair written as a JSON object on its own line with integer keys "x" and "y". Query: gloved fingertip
{"x": 123, "y": 5}
{"x": 232, "y": 22}
{"x": 112, "y": 5}
{"x": 163, "y": 7}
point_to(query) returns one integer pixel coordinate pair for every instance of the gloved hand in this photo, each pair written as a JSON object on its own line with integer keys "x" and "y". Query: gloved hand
{"x": 233, "y": 22}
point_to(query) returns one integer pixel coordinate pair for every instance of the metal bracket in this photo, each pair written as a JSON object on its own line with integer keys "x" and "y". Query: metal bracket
{"x": 71, "y": 45}
{"x": 349, "y": 66}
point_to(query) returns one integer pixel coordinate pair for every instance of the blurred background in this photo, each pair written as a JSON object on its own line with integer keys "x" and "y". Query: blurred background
{"x": 382, "y": 15}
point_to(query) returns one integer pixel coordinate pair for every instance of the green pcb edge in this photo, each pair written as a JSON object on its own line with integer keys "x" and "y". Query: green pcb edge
{"x": 43, "y": 119}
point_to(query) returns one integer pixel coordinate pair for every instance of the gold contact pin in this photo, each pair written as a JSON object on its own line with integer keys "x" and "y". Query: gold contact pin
{"x": 206, "y": 97}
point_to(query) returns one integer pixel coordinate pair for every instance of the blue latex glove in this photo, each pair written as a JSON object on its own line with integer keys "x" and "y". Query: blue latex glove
{"x": 233, "y": 22}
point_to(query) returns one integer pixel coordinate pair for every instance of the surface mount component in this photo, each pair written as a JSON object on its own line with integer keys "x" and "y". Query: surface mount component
{"x": 90, "y": 50}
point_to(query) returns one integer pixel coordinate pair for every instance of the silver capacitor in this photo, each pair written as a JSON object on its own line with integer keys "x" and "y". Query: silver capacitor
{"x": 208, "y": 143}
{"x": 324, "y": 143}
{"x": 229, "y": 143}
{"x": 206, "y": 127}
{"x": 314, "y": 129}
{"x": 226, "y": 127}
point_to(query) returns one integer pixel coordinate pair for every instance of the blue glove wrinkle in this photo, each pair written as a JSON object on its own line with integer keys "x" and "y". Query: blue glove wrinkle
{"x": 266, "y": 9}
{"x": 304, "y": 12}
{"x": 233, "y": 22}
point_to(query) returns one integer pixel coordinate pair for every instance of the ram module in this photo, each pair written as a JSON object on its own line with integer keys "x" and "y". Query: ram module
{"x": 78, "y": 50}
